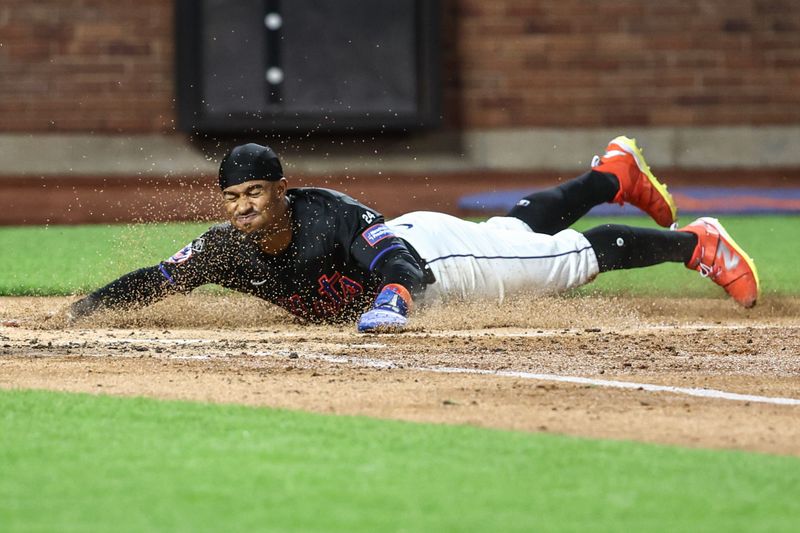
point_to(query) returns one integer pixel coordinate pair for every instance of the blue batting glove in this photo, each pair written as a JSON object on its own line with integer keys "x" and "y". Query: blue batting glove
{"x": 389, "y": 311}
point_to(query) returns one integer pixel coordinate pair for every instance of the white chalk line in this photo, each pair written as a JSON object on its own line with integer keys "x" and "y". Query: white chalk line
{"x": 649, "y": 387}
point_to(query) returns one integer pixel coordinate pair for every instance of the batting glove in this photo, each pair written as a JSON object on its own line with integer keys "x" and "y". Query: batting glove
{"x": 389, "y": 311}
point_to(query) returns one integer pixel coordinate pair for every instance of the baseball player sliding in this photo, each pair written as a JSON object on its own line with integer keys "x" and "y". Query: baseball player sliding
{"x": 325, "y": 257}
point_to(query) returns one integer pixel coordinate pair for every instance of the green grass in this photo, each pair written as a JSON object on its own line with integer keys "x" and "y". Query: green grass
{"x": 73, "y": 259}
{"x": 94, "y": 463}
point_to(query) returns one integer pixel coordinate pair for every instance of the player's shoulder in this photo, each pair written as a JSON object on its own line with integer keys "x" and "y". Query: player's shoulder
{"x": 317, "y": 205}
{"x": 320, "y": 195}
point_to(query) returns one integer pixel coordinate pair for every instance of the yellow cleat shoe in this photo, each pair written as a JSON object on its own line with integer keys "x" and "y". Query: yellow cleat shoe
{"x": 719, "y": 258}
{"x": 637, "y": 184}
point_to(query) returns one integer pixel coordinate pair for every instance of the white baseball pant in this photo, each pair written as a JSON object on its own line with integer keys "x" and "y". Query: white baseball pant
{"x": 496, "y": 258}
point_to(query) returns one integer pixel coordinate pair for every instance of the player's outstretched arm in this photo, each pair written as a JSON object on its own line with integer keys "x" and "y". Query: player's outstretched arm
{"x": 375, "y": 248}
{"x": 402, "y": 280}
{"x": 196, "y": 264}
{"x": 136, "y": 289}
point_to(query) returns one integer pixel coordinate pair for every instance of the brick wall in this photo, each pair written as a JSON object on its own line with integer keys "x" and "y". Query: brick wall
{"x": 106, "y": 66}
{"x": 626, "y": 62}
{"x": 86, "y": 65}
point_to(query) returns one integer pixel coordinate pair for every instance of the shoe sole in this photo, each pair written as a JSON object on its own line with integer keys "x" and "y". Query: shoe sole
{"x": 629, "y": 146}
{"x": 729, "y": 240}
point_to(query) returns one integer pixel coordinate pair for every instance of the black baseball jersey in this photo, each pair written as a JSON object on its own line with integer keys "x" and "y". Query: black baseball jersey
{"x": 340, "y": 255}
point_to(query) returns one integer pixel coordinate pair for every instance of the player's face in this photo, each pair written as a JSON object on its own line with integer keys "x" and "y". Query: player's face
{"x": 256, "y": 205}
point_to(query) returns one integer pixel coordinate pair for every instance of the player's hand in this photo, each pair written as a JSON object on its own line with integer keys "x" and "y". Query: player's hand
{"x": 389, "y": 312}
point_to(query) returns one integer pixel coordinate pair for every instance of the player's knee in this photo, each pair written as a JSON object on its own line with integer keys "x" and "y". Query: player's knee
{"x": 612, "y": 244}
{"x": 615, "y": 233}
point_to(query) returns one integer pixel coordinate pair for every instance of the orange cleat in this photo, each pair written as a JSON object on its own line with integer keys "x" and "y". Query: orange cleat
{"x": 637, "y": 184}
{"x": 719, "y": 258}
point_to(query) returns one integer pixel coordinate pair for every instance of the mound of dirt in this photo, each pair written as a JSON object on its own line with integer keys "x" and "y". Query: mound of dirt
{"x": 231, "y": 311}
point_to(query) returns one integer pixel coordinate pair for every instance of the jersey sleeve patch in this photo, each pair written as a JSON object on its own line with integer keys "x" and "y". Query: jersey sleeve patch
{"x": 185, "y": 253}
{"x": 375, "y": 234}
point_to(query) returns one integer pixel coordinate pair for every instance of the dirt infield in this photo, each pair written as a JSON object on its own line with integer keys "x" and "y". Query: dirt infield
{"x": 516, "y": 365}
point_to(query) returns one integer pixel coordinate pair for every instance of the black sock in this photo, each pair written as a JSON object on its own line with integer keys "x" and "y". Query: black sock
{"x": 618, "y": 247}
{"x": 557, "y": 208}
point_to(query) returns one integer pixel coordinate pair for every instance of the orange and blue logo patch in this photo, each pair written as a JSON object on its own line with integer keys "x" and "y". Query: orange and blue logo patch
{"x": 181, "y": 255}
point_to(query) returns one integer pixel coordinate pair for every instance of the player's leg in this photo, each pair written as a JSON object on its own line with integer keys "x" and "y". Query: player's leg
{"x": 703, "y": 245}
{"x": 621, "y": 175}
{"x": 557, "y": 208}
{"x": 619, "y": 247}
{"x": 503, "y": 256}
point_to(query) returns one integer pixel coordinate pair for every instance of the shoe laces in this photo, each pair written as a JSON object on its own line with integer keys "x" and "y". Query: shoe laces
{"x": 706, "y": 271}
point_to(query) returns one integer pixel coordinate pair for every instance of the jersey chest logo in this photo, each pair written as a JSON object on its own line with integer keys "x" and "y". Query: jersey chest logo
{"x": 335, "y": 291}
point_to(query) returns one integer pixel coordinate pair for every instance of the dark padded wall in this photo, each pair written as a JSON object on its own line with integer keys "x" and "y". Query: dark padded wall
{"x": 349, "y": 55}
{"x": 234, "y": 46}
{"x": 346, "y": 57}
